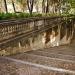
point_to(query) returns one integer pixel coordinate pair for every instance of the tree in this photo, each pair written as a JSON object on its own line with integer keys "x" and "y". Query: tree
{"x": 13, "y": 6}
{"x": 23, "y": 4}
{"x": 5, "y": 4}
{"x": 45, "y": 6}
{"x": 36, "y": 4}
{"x": 68, "y": 5}
{"x": 50, "y": 6}
{"x": 30, "y": 6}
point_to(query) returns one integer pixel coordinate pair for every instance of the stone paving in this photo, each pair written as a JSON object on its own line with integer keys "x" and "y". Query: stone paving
{"x": 51, "y": 61}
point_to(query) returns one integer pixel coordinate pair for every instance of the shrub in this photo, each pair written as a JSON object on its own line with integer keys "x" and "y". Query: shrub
{"x": 23, "y": 15}
{"x": 1, "y": 16}
{"x": 7, "y": 15}
{"x": 26, "y": 15}
{"x": 36, "y": 15}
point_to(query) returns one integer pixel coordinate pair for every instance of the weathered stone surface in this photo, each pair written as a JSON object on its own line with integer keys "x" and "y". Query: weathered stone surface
{"x": 52, "y": 61}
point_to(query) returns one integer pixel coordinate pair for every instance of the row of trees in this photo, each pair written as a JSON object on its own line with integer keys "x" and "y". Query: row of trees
{"x": 54, "y": 6}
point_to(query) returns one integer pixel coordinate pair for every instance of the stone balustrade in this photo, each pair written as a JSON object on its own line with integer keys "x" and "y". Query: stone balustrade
{"x": 10, "y": 28}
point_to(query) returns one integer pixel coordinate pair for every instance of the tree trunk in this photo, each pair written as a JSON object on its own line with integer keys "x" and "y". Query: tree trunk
{"x": 37, "y": 9}
{"x": 43, "y": 6}
{"x": 5, "y": 4}
{"x": 47, "y": 7}
{"x": 30, "y": 6}
{"x": 59, "y": 6}
{"x": 13, "y": 6}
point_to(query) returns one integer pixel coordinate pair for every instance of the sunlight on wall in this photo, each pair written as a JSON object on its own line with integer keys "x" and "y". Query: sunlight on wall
{"x": 54, "y": 40}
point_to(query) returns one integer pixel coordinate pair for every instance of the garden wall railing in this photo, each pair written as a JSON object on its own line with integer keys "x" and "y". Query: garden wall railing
{"x": 15, "y": 28}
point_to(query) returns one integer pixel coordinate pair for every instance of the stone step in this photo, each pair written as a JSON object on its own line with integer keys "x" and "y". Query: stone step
{"x": 65, "y": 66}
{"x": 10, "y": 66}
{"x": 60, "y": 50}
{"x": 53, "y": 55}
